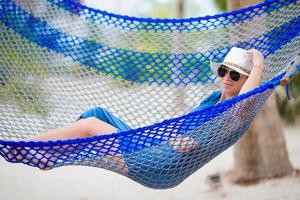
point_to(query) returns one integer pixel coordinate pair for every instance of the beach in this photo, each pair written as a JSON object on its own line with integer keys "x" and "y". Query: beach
{"x": 21, "y": 182}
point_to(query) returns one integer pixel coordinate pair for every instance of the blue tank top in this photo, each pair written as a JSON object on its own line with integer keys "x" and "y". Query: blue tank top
{"x": 209, "y": 101}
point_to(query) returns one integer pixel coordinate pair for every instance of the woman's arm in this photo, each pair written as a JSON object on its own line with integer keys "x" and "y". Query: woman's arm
{"x": 257, "y": 71}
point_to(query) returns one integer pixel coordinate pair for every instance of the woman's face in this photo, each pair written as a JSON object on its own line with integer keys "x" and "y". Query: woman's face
{"x": 232, "y": 87}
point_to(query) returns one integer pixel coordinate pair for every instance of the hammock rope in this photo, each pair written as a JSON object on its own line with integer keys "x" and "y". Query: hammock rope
{"x": 60, "y": 58}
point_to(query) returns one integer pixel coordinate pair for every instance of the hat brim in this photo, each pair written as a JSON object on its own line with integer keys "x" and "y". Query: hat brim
{"x": 214, "y": 68}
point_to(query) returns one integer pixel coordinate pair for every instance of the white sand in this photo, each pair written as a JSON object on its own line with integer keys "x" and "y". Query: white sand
{"x": 21, "y": 182}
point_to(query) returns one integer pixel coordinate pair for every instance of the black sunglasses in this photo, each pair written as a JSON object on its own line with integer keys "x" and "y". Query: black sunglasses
{"x": 223, "y": 70}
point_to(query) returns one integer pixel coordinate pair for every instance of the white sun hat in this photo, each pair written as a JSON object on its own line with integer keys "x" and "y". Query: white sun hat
{"x": 237, "y": 59}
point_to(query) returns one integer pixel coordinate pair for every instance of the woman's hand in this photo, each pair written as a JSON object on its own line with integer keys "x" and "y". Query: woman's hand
{"x": 183, "y": 144}
{"x": 256, "y": 75}
{"x": 257, "y": 59}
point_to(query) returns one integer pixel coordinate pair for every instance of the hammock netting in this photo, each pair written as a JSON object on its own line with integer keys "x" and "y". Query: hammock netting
{"x": 60, "y": 58}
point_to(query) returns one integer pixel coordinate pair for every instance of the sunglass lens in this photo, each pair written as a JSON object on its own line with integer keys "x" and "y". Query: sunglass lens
{"x": 222, "y": 71}
{"x": 235, "y": 76}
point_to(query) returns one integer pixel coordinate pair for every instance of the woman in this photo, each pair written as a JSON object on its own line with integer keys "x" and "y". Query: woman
{"x": 241, "y": 71}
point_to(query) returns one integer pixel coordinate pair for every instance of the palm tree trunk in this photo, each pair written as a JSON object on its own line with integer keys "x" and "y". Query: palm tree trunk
{"x": 261, "y": 153}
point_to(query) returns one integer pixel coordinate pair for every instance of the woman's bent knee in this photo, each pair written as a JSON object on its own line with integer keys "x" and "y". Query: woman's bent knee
{"x": 87, "y": 125}
{"x": 95, "y": 126}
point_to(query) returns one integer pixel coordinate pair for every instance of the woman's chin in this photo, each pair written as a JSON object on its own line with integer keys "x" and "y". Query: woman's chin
{"x": 229, "y": 91}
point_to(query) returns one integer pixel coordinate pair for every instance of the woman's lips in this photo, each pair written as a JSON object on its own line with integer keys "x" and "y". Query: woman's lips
{"x": 227, "y": 84}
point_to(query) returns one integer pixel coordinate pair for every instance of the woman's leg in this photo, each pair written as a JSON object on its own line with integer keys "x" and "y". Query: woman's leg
{"x": 82, "y": 128}
{"x": 96, "y": 121}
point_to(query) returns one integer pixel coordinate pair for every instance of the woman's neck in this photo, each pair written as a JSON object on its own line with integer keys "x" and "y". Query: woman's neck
{"x": 225, "y": 96}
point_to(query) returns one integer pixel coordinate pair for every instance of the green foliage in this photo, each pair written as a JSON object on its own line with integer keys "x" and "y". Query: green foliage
{"x": 28, "y": 96}
{"x": 295, "y": 86}
{"x": 290, "y": 110}
{"x": 221, "y": 4}
{"x": 161, "y": 12}
{"x": 18, "y": 76}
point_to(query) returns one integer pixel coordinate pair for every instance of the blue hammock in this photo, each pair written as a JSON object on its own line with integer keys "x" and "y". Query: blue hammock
{"x": 60, "y": 58}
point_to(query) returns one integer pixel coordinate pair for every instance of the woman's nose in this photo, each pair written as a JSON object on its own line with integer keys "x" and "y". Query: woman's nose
{"x": 227, "y": 77}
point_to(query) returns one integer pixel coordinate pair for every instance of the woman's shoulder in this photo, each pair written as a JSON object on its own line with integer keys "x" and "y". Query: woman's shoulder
{"x": 209, "y": 101}
{"x": 215, "y": 96}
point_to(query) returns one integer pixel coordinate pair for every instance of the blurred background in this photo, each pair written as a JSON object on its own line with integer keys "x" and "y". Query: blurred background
{"x": 158, "y": 8}
{"x": 24, "y": 182}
